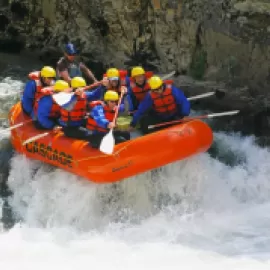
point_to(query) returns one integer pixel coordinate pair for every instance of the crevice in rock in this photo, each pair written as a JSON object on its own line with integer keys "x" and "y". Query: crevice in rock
{"x": 18, "y": 9}
{"x": 4, "y": 21}
{"x": 144, "y": 49}
{"x": 199, "y": 58}
{"x": 100, "y": 24}
{"x": 12, "y": 31}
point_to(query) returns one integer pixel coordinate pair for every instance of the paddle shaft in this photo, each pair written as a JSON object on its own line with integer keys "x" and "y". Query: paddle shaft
{"x": 193, "y": 118}
{"x": 117, "y": 109}
{"x": 89, "y": 86}
{"x": 208, "y": 94}
{"x": 92, "y": 85}
{"x": 15, "y": 126}
{"x": 167, "y": 76}
{"x": 34, "y": 138}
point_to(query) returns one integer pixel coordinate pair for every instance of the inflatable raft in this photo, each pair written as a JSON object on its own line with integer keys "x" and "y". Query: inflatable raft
{"x": 130, "y": 158}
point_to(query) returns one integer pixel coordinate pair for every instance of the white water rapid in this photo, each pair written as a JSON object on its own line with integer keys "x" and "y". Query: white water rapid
{"x": 194, "y": 214}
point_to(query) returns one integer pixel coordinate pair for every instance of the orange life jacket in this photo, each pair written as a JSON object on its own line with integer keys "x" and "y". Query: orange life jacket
{"x": 109, "y": 115}
{"x": 122, "y": 74}
{"x": 55, "y": 110}
{"x": 77, "y": 113}
{"x": 164, "y": 103}
{"x": 138, "y": 91}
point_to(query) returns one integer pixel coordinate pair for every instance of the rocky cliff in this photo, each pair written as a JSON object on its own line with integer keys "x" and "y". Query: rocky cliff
{"x": 225, "y": 42}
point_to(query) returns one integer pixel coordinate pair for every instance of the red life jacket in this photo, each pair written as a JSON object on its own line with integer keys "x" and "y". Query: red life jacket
{"x": 35, "y": 76}
{"x": 109, "y": 115}
{"x": 41, "y": 92}
{"x": 168, "y": 81}
{"x": 122, "y": 74}
{"x": 138, "y": 91}
{"x": 164, "y": 103}
{"x": 77, "y": 113}
{"x": 55, "y": 109}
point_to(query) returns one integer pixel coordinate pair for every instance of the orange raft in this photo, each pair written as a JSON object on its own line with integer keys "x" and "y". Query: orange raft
{"x": 129, "y": 158}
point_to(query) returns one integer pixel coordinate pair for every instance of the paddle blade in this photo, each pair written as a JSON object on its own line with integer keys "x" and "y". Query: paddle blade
{"x": 107, "y": 144}
{"x": 34, "y": 138}
{"x": 62, "y": 98}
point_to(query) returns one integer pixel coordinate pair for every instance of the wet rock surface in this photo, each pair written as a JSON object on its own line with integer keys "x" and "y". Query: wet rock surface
{"x": 222, "y": 44}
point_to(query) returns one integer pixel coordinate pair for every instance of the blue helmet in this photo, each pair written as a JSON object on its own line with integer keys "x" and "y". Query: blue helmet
{"x": 70, "y": 49}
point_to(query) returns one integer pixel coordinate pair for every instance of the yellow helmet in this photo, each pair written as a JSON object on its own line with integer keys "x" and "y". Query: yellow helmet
{"x": 77, "y": 82}
{"x": 136, "y": 71}
{"x": 155, "y": 82}
{"x": 112, "y": 73}
{"x": 47, "y": 72}
{"x": 111, "y": 95}
{"x": 60, "y": 85}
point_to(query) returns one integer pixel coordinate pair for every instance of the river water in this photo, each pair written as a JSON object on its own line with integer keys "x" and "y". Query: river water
{"x": 211, "y": 210}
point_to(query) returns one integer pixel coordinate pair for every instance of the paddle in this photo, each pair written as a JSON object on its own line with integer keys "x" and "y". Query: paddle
{"x": 219, "y": 94}
{"x": 208, "y": 94}
{"x": 108, "y": 142}
{"x": 34, "y": 138}
{"x": 167, "y": 76}
{"x": 64, "y": 97}
{"x": 15, "y": 126}
{"x": 193, "y": 118}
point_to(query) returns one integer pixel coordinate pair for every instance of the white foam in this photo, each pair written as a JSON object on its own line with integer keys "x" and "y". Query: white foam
{"x": 195, "y": 213}
{"x": 200, "y": 201}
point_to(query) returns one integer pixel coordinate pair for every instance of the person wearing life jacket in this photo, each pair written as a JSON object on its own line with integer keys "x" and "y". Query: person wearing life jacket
{"x": 163, "y": 103}
{"x": 73, "y": 113}
{"x": 116, "y": 80}
{"x": 101, "y": 117}
{"x": 32, "y": 91}
{"x": 69, "y": 67}
{"x": 138, "y": 86}
{"x": 47, "y": 110}
{"x": 113, "y": 80}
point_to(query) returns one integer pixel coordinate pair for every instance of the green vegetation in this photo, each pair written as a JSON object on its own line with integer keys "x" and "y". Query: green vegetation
{"x": 198, "y": 64}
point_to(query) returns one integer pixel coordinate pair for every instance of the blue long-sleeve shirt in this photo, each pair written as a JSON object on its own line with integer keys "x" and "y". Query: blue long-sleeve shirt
{"x": 129, "y": 95}
{"x": 28, "y": 97}
{"x": 147, "y": 103}
{"x": 43, "y": 113}
{"x": 90, "y": 96}
{"x": 98, "y": 114}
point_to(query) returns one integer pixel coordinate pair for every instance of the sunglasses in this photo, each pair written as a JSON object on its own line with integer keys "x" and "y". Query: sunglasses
{"x": 156, "y": 90}
{"x": 112, "y": 101}
{"x": 113, "y": 79}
